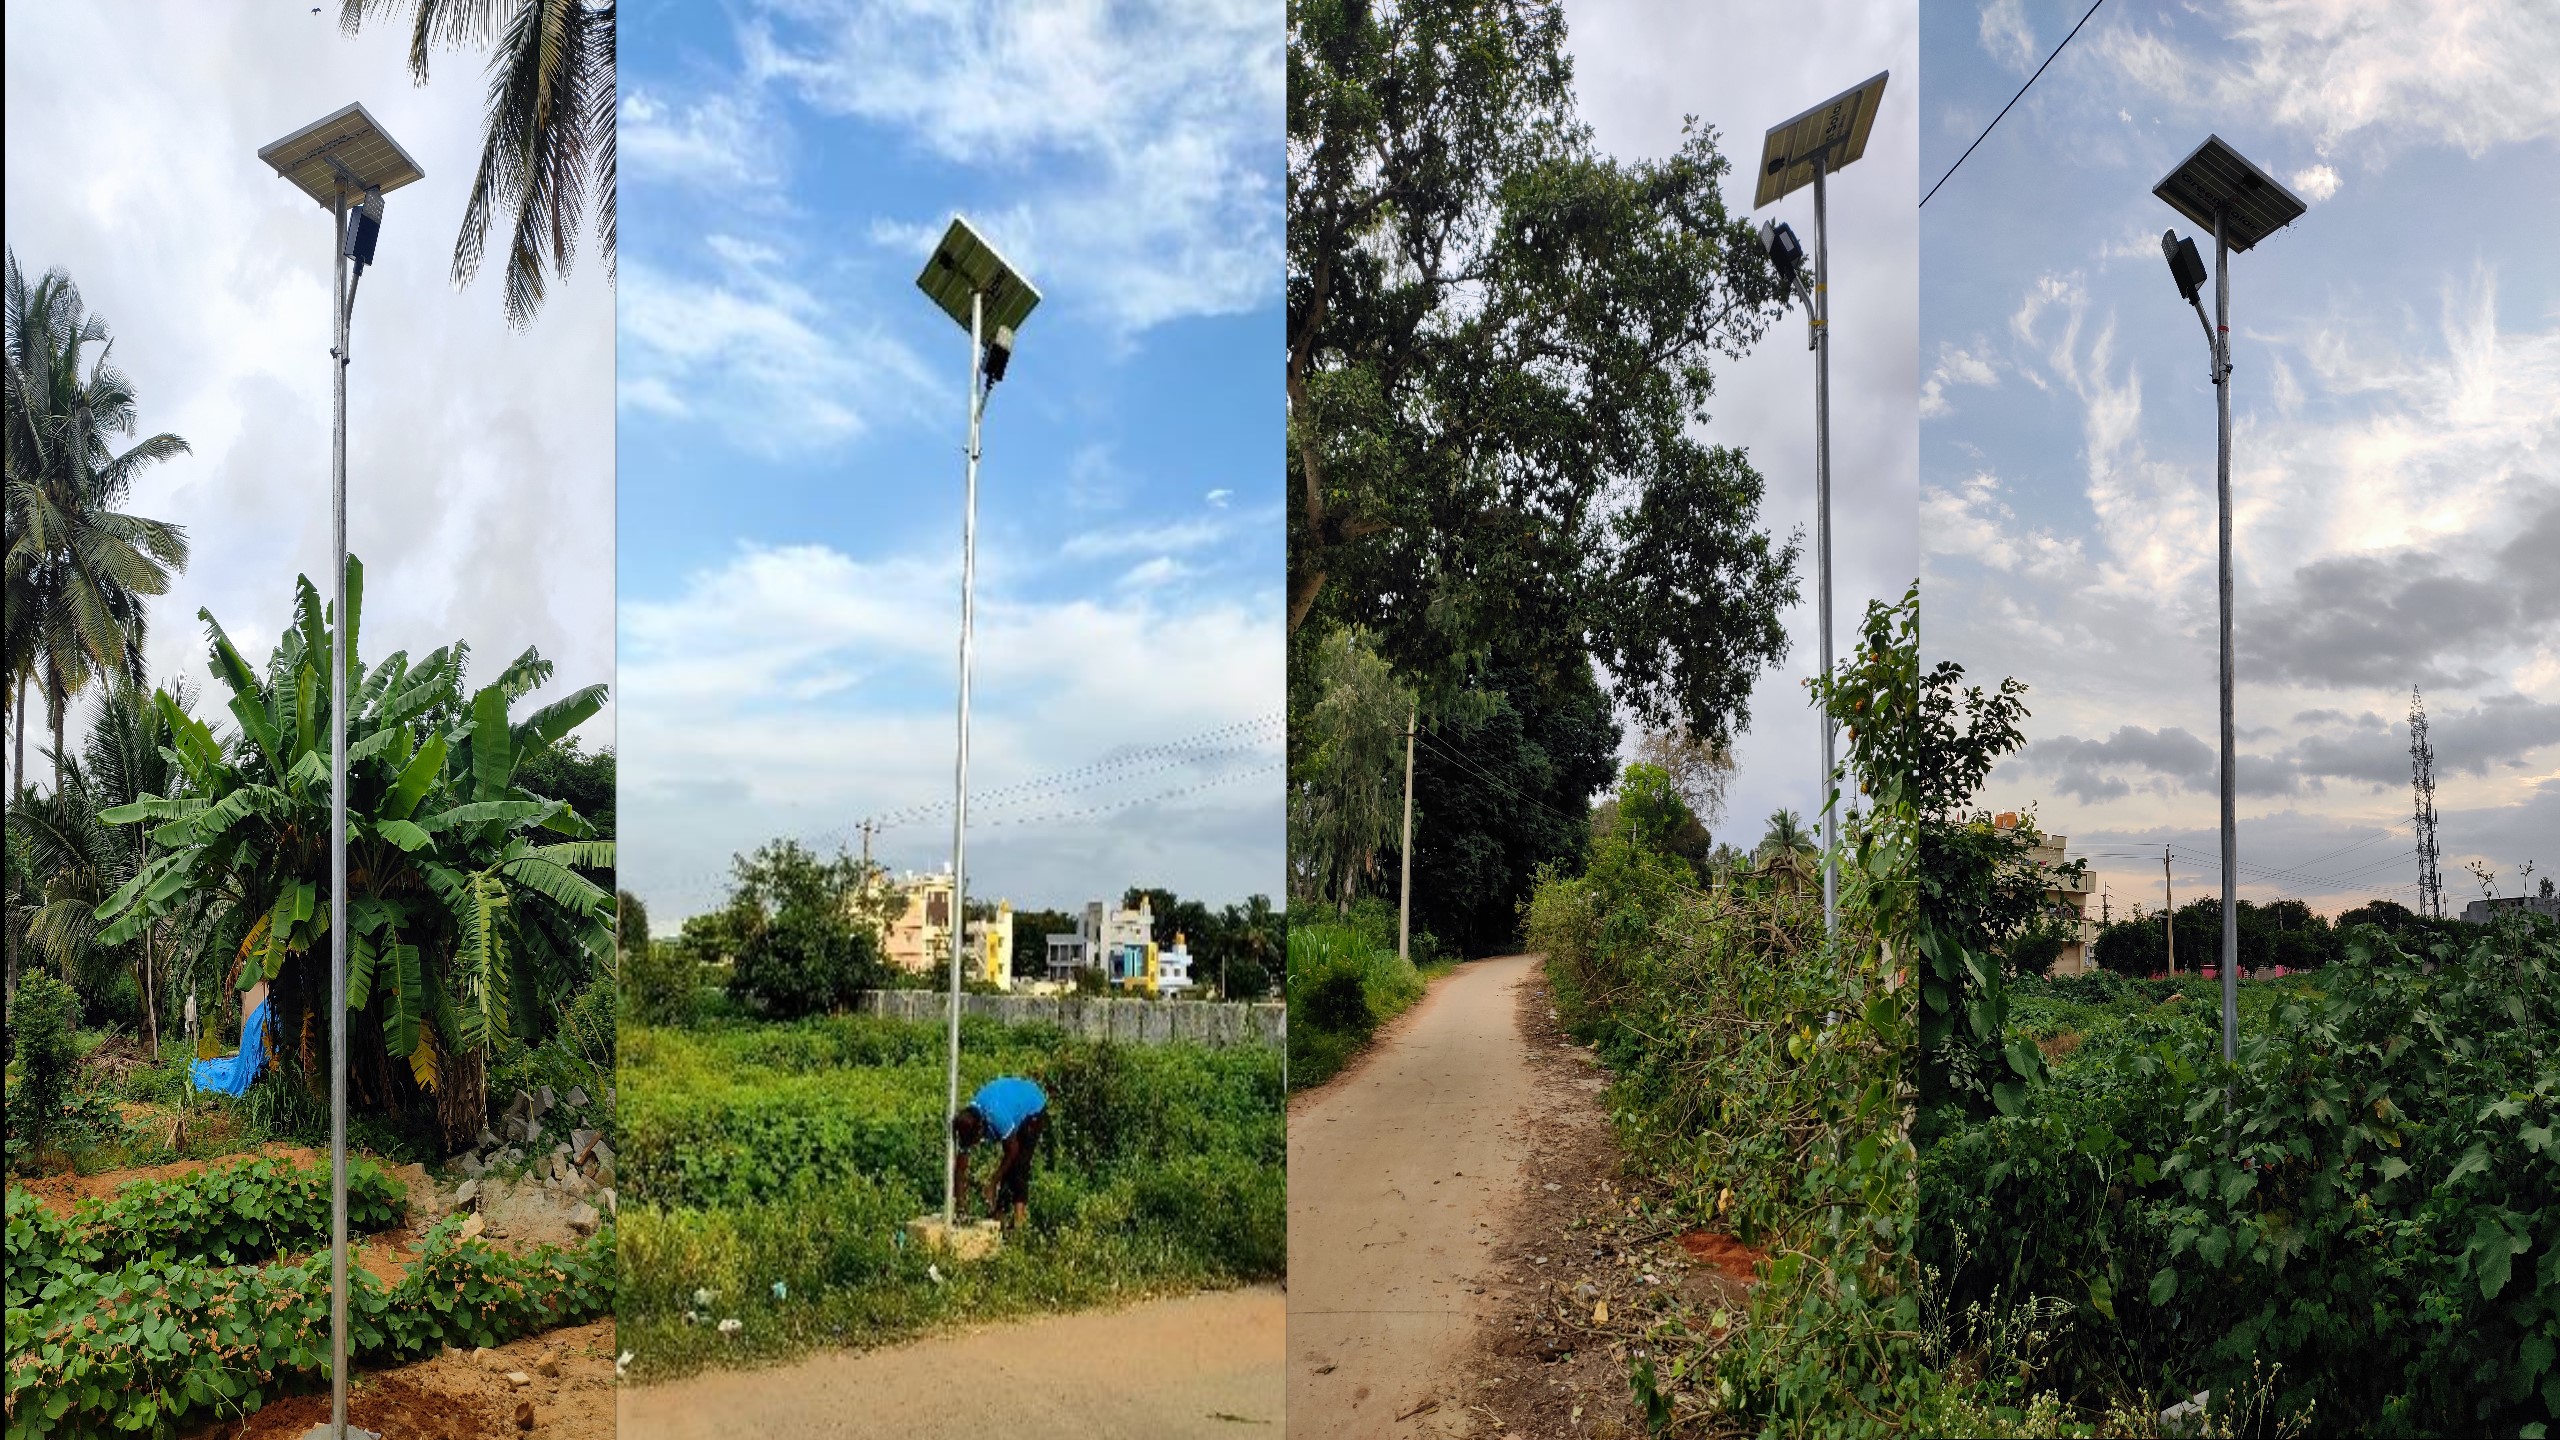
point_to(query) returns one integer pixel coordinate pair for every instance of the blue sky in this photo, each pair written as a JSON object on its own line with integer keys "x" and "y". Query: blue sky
{"x": 791, "y": 416}
{"x": 2396, "y": 407}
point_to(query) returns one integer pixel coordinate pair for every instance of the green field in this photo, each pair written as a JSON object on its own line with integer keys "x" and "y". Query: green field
{"x": 2358, "y": 1228}
{"x": 774, "y": 1166}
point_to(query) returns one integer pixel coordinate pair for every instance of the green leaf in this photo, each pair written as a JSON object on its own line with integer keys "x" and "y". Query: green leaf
{"x": 2164, "y": 1286}
{"x": 544, "y": 727}
{"x": 493, "y": 752}
{"x": 405, "y": 835}
{"x": 480, "y": 812}
{"x": 415, "y": 777}
{"x": 2010, "y": 1097}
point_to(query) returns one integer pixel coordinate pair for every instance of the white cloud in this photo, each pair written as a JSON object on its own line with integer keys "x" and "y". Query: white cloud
{"x": 2380, "y": 75}
{"x": 1150, "y": 191}
{"x": 741, "y": 684}
{"x": 1173, "y": 535}
{"x": 1956, "y": 366}
{"x": 2006, "y": 36}
{"x": 713, "y": 140}
{"x": 771, "y": 362}
{"x": 2315, "y": 183}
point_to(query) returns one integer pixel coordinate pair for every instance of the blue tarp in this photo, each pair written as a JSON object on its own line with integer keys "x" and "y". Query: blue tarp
{"x": 231, "y": 1074}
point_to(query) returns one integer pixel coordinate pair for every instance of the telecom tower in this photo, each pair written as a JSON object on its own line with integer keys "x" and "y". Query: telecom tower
{"x": 2422, "y": 780}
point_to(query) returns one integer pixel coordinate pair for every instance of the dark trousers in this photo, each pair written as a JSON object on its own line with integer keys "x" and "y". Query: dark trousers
{"x": 1013, "y": 1175}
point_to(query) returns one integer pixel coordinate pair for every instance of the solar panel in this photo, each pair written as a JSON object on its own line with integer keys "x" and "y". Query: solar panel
{"x": 345, "y": 152}
{"x": 963, "y": 264}
{"x": 1834, "y": 131}
{"x": 2216, "y": 178}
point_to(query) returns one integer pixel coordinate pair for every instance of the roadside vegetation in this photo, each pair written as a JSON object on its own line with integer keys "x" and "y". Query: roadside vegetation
{"x": 770, "y": 1170}
{"x": 774, "y": 1144}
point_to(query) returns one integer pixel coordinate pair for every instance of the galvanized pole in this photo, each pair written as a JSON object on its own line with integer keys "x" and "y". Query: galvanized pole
{"x": 960, "y": 778}
{"x": 1822, "y": 533}
{"x": 338, "y": 851}
{"x": 2222, "y": 488}
{"x": 1404, "y": 886}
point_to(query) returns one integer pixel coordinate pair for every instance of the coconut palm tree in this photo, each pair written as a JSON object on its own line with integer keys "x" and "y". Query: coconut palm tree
{"x": 547, "y": 138}
{"x": 71, "y": 860}
{"x": 1787, "y": 836}
{"x": 78, "y": 572}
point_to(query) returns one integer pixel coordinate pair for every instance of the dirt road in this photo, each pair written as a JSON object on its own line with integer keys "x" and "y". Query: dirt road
{"x": 1201, "y": 1365}
{"x": 1400, "y": 1173}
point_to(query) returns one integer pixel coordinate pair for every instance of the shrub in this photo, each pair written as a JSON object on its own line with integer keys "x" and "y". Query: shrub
{"x": 43, "y": 1050}
{"x": 661, "y": 981}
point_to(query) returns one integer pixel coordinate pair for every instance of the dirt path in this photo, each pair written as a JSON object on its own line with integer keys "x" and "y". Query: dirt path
{"x": 1201, "y": 1365}
{"x": 1401, "y": 1172}
{"x": 568, "y": 1394}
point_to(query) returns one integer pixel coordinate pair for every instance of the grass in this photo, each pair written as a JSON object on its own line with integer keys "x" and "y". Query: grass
{"x": 1345, "y": 981}
{"x": 770, "y": 1170}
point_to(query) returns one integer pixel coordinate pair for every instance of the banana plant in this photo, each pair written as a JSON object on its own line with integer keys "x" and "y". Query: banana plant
{"x": 466, "y": 911}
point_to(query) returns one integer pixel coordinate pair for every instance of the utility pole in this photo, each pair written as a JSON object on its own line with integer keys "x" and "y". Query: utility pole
{"x": 1404, "y": 885}
{"x": 866, "y": 827}
{"x": 2168, "y": 910}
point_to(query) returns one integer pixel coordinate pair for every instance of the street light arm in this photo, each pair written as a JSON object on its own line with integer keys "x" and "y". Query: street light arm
{"x": 2212, "y": 343}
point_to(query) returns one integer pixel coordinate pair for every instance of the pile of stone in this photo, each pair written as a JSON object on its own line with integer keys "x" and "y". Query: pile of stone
{"x": 575, "y": 1166}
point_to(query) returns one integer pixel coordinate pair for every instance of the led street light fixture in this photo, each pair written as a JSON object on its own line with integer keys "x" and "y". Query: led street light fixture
{"x": 2185, "y": 265}
{"x": 1834, "y": 132}
{"x": 2215, "y": 180}
{"x": 1778, "y": 242}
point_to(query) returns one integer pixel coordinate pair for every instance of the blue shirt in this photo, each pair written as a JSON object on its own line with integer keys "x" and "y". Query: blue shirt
{"x": 1007, "y": 1101}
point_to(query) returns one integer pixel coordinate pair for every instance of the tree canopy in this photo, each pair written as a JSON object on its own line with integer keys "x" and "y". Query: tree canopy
{"x": 1499, "y": 347}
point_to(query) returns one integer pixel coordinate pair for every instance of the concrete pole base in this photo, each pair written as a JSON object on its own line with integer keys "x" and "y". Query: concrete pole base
{"x": 960, "y": 1240}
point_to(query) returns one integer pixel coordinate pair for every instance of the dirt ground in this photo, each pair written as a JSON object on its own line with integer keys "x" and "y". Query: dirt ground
{"x": 1401, "y": 1171}
{"x": 60, "y": 1192}
{"x": 1583, "y": 1262}
{"x": 1201, "y": 1365}
{"x": 465, "y": 1395}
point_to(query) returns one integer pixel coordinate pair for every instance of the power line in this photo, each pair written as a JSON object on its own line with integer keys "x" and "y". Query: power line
{"x": 2004, "y": 110}
{"x": 1195, "y": 747}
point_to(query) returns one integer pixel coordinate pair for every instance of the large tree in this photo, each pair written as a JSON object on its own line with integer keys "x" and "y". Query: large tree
{"x": 1347, "y": 720}
{"x": 78, "y": 571}
{"x": 1503, "y": 781}
{"x": 547, "y": 135}
{"x": 1499, "y": 354}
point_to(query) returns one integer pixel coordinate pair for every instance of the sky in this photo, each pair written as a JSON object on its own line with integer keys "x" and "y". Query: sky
{"x": 1639, "y": 68}
{"x": 792, "y": 411}
{"x": 2396, "y": 422}
{"x": 480, "y": 460}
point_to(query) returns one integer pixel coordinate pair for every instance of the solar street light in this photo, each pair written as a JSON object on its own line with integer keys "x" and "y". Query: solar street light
{"x": 2218, "y": 189}
{"x": 1800, "y": 152}
{"x": 986, "y": 296}
{"x": 341, "y": 156}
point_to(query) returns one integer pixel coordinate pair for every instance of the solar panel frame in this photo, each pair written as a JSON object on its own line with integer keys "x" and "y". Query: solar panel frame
{"x": 1839, "y": 126}
{"x": 354, "y": 139}
{"x": 2214, "y": 176}
{"x": 963, "y": 263}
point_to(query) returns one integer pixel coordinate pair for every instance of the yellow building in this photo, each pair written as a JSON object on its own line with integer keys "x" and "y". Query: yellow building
{"x": 2068, "y": 893}
{"x": 917, "y": 939}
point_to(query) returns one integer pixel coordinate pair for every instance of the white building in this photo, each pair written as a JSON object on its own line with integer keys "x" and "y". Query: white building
{"x": 1121, "y": 944}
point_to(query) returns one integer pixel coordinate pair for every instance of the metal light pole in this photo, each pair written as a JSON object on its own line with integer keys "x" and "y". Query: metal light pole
{"x": 979, "y": 290}
{"x": 1803, "y": 151}
{"x": 2216, "y": 187}
{"x": 339, "y": 157}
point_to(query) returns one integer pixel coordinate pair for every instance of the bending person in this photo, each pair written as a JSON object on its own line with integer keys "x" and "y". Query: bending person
{"x": 1013, "y": 1113}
